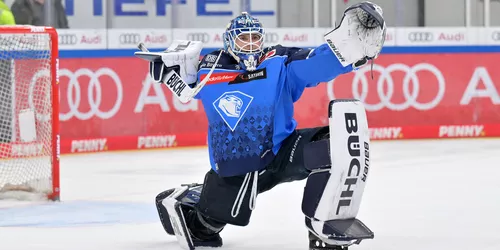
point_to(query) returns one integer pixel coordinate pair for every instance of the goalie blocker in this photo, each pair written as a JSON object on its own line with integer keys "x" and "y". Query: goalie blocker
{"x": 176, "y": 65}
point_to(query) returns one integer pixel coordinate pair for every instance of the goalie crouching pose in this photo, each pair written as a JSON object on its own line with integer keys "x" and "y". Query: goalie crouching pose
{"x": 253, "y": 141}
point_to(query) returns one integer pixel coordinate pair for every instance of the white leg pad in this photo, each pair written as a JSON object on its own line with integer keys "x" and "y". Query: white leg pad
{"x": 332, "y": 195}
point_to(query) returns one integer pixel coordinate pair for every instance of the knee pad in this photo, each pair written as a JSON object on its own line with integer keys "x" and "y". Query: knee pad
{"x": 339, "y": 169}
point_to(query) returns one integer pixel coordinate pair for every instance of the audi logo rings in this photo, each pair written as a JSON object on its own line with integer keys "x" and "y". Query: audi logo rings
{"x": 385, "y": 80}
{"x": 67, "y": 39}
{"x": 420, "y": 36}
{"x": 94, "y": 100}
{"x": 495, "y": 36}
{"x": 129, "y": 38}
{"x": 201, "y": 37}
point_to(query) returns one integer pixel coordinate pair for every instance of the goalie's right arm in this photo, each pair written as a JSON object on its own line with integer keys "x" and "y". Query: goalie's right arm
{"x": 177, "y": 68}
{"x": 181, "y": 56}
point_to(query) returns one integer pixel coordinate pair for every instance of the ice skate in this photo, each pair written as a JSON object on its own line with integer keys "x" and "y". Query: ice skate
{"x": 316, "y": 243}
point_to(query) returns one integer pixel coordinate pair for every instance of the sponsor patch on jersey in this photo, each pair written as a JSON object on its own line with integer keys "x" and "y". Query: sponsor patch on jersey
{"x": 210, "y": 58}
{"x": 231, "y": 106}
{"x": 250, "y": 76}
{"x": 220, "y": 77}
{"x": 210, "y": 65}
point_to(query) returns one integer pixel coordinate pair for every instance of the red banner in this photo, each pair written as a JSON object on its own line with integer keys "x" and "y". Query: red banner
{"x": 419, "y": 96}
{"x": 111, "y": 104}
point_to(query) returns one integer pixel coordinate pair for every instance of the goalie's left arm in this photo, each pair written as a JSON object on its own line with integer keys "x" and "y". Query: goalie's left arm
{"x": 356, "y": 40}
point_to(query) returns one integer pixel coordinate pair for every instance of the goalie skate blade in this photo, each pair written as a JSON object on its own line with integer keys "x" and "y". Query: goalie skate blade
{"x": 342, "y": 230}
{"x": 178, "y": 223}
{"x": 350, "y": 229}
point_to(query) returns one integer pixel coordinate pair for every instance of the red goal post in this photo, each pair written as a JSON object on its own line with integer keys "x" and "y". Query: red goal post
{"x": 29, "y": 113}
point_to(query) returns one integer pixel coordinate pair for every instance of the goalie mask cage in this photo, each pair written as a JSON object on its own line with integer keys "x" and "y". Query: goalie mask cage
{"x": 29, "y": 113}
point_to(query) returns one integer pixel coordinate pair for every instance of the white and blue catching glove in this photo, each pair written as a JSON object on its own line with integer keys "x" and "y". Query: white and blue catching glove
{"x": 177, "y": 67}
{"x": 360, "y": 35}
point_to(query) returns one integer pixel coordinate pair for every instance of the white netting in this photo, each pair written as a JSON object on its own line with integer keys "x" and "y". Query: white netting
{"x": 25, "y": 115}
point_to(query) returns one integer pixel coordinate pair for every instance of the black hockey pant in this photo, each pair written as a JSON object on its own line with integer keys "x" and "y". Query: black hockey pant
{"x": 219, "y": 197}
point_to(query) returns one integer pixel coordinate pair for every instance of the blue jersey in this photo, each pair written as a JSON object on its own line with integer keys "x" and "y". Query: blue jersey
{"x": 250, "y": 113}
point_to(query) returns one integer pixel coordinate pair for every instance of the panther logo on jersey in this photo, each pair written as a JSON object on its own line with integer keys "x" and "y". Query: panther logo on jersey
{"x": 231, "y": 106}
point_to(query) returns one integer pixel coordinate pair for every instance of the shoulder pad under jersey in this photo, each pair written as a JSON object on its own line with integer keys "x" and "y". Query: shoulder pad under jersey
{"x": 226, "y": 61}
{"x": 279, "y": 50}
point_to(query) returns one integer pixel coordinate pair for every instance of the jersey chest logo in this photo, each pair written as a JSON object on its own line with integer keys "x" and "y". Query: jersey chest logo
{"x": 231, "y": 106}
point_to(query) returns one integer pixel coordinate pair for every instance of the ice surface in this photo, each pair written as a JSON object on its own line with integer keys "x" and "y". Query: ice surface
{"x": 420, "y": 195}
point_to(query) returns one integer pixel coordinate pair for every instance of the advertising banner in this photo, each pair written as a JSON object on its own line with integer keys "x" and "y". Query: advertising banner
{"x": 144, "y": 14}
{"x": 211, "y": 38}
{"x": 419, "y": 96}
{"x": 491, "y": 36}
{"x": 433, "y": 36}
{"x": 82, "y": 39}
{"x": 112, "y": 104}
{"x": 161, "y": 38}
{"x": 129, "y": 38}
{"x": 390, "y": 37}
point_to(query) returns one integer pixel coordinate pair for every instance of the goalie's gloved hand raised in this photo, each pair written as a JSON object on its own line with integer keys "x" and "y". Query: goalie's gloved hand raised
{"x": 182, "y": 56}
{"x": 360, "y": 35}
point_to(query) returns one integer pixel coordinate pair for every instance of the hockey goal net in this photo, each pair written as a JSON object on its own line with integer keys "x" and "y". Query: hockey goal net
{"x": 29, "y": 117}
